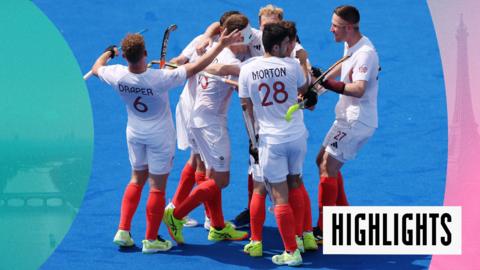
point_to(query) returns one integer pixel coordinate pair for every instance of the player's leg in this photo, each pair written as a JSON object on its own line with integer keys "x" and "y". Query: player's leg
{"x": 155, "y": 209}
{"x": 309, "y": 242}
{"x": 200, "y": 177}
{"x": 285, "y": 221}
{"x": 133, "y": 191}
{"x": 296, "y": 201}
{"x": 160, "y": 151}
{"x": 130, "y": 201}
{"x": 342, "y": 196}
{"x": 187, "y": 180}
{"x": 297, "y": 150}
{"x": 257, "y": 220}
{"x": 275, "y": 168}
{"x": 217, "y": 157}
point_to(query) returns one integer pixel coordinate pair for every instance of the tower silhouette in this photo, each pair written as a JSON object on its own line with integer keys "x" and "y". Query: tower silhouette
{"x": 464, "y": 138}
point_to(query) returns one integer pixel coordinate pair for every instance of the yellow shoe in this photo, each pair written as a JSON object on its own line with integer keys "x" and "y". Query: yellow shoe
{"x": 227, "y": 233}
{"x": 309, "y": 242}
{"x": 290, "y": 259}
{"x": 175, "y": 226}
{"x": 123, "y": 238}
{"x": 254, "y": 248}
{"x": 299, "y": 241}
{"x": 157, "y": 245}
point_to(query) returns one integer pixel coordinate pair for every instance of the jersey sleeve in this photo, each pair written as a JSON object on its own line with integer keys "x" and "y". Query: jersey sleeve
{"x": 242, "y": 84}
{"x": 189, "y": 51}
{"x": 255, "y": 46}
{"x": 363, "y": 68}
{"x": 173, "y": 77}
{"x": 301, "y": 80}
{"x": 110, "y": 74}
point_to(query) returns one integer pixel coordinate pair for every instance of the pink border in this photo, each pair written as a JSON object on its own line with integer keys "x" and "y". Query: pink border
{"x": 458, "y": 35}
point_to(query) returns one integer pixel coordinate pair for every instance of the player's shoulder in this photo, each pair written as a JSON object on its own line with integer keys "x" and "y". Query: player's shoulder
{"x": 251, "y": 62}
{"x": 116, "y": 70}
{"x": 290, "y": 61}
{"x": 366, "y": 46}
{"x": 116, "y": 67}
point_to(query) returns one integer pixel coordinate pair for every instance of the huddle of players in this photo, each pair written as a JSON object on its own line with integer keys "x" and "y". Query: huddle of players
{"x": 267, "y": 86}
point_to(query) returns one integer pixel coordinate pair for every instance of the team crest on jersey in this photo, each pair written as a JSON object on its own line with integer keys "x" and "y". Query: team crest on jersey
{"x": 363, "y": 69}
{"x": 258, "y": 47}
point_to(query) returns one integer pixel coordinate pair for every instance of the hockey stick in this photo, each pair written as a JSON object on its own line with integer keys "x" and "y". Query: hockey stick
{"x": 89, "y": 73}
{"x": 166, "y": 36}
{"x": 301, "y": 105}
{"x": 249, "y": 126}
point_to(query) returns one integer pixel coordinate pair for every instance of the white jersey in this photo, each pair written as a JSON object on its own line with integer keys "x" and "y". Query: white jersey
{"x": 256, "y": 45}
{"x": 272, "y": 84}
{"x": 187, "y": 98}
{"x": 145, "y": 96}
{"x": 361, "y": 66}
{"x": 213, "y": 96}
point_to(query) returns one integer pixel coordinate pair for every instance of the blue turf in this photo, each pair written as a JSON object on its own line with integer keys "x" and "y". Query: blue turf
{"x": 403, "y": 164}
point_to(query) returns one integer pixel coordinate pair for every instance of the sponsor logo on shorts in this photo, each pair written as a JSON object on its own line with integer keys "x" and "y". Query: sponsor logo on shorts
{"x": 334, "y": 145}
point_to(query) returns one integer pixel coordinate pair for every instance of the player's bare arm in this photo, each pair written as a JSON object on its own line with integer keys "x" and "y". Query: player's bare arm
{"x": 355, "y": 89}
{"x": 302, "y": 56}
{"x": 207, "y": 40}
{"x": 179, "y": 60}
{"x": 109, "y": 52}
{"x": 223, "y": 70}
{"x": 224, "y": 41}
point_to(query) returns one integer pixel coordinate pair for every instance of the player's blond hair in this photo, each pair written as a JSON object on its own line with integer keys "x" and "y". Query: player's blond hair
{"x": 269, "y": 10}
{"x": 133, "y": 47}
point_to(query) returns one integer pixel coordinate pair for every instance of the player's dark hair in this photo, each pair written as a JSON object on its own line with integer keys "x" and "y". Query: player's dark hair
{"x": 133, "y": 47}
{"x": 348, "y": 13}
{"x": 273, "y": 34}
{"x": 226, "y": 15}
{"x": 292, "y": 29}
{"x": 236, "y": 21}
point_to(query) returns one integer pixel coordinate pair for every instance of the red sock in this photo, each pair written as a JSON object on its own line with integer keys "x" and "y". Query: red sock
{"x": 214, "y": 206}
{"x": 257, "y": 216}
{"x": 130, "y": 201}
{"x": 187, "y": 180}
{"x": 155, "y": 209}
{"x": 250, "y": 189}
{"x": 203, "y": 192}
{"x": 200, "y": 178}
{"x": 327, "y": 196}
{"x": 285, "y": 221}
{"x": 307, "y": 219}
{"x": 297, "y": 203}
{"x": 342, "y": 197}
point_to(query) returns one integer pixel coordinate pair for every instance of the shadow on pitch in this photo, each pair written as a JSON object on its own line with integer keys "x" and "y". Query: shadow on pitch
{"x": 231, "y": 253}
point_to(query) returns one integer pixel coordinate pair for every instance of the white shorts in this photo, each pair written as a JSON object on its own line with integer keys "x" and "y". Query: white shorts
{"x": 279, "y": 160}
{"x": 255, "y": 170}
{"x": 182, "y": 114}
{"x": 344, "y": 139}
{"x": 154, "y": 152}
{"x": 213, "y": 145}
{"x": 192, "y": 143}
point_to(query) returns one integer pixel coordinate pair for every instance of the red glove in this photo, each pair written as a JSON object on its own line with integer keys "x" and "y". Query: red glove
{"x": 334, "y": 85}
